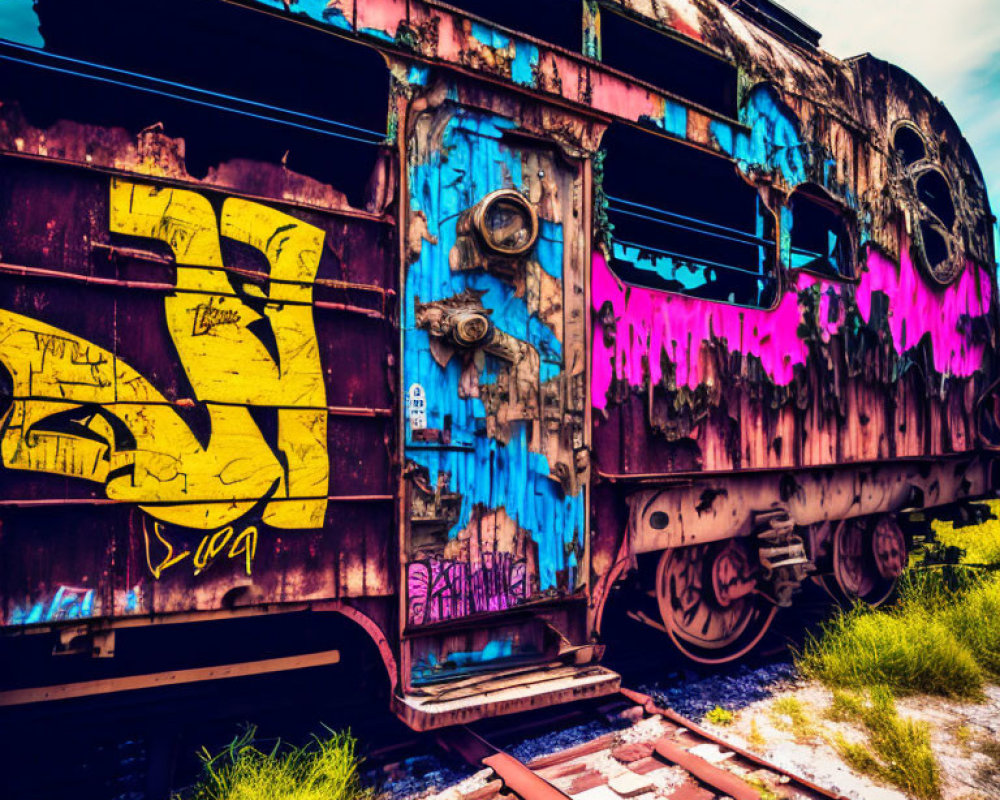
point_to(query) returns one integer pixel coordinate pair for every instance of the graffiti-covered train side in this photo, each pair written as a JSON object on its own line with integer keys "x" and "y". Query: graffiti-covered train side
{"x": 450, "y": 318}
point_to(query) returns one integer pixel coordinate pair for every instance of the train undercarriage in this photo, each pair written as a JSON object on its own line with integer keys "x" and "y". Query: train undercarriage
{"x": 716, "y": 596}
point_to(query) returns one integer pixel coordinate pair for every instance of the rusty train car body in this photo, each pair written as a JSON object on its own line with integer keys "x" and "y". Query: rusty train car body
{"x": 449, "y": 317}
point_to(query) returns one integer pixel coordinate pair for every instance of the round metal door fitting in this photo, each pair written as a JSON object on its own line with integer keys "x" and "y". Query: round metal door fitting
{"x": 506, "y": 222}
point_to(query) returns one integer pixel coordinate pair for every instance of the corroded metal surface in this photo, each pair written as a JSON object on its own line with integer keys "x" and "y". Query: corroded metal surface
{"x": 420, "y": 376}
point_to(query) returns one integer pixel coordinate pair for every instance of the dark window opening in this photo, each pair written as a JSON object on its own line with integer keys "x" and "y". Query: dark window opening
{"x": 935, "y": 245}
{"x": 909, "y": 145}
{"x": 933, "y": 191}
{"x": 218, "y": 76}
{"x": 662, "y": 60}
{"x": 684, "y": 221}
{"x": 820, "y": 240}
{"x": 559, "y": 22}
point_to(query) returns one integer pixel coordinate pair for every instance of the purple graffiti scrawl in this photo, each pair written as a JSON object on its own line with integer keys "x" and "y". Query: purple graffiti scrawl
{"x": 440, "y": 590}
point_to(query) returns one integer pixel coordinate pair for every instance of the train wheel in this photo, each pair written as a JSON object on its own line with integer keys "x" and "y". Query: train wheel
{"x": 708, "y": 600}
{"x": 869, "y": 555}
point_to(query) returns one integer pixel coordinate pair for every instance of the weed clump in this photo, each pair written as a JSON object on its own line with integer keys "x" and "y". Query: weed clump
{"x": 909, "y": 649}
{"x": 756, "y": 739}
{"x": 943, "y": 636}
{"x": 898, "y": 749}
{"x": 720, "y": 716}
{"x": 975, "y": 622}
{"x": 790, "y": 714}
{"x": 323, "y": 769}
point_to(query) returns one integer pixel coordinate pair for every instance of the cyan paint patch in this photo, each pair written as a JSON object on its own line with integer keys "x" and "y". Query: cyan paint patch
{"x": 488, "y": 36}
{"x": 429, "y": 667}
{"x": 318, "y": 10}
{"x": 785, "y": 244}
{"x": 774, "y": 143}
{"x": 549, "y": 250}
{"x": 470, "y": 162}
{"x": 377, "y": 33}
{"x": 683, "y": 275}
{"x": 19, "y": 23}
{"x": 67, "y": 603}
{"x": 722, "y": 133}
{"x": 525, "y": 63}
{"x": 417, "y": 75}
{"x": 675, "y": 118}
{"x": 673, "y": 121}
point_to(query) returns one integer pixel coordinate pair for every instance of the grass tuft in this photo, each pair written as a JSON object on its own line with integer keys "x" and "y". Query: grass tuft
{"x": 720, "y": 716}
{"x": 975, "y": 622}
{"x": 989, "y": 773}
{"x": 942, "y": 637}
{"x": 908, "y": 649}
{"x": 898, "y": 749}
{"x": 755, "y": 739}
{"x": 790, "y": 714}
{"x": 323, "y": 769}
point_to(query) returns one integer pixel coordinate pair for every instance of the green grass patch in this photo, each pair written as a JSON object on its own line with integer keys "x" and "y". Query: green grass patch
{"x": 908, "y": 649}
{"x": 942, "y": 636}
{"x": 981, "y": 543}
{"x": 324, "y": 769}
{"x": 790, "y": 714}
{"x": 898, "y": 749}
{"x": 975, "y": 622}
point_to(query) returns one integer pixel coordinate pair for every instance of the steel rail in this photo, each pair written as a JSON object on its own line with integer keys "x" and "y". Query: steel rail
{"x": 531, "y": 781}
{"x": 650, "y": 707}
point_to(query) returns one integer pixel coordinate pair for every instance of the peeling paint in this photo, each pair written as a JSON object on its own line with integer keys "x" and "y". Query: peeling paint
{"x": 489, "y": 469}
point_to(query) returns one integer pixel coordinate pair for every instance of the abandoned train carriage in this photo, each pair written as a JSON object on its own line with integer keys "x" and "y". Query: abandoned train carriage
{"x": 449, "y": 317}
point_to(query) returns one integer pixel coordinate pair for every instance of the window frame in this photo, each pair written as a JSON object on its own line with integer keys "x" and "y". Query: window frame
{"x": 774, "y": 265}
{"x": 815, "y": 193}
{"x": 676, "y": 38}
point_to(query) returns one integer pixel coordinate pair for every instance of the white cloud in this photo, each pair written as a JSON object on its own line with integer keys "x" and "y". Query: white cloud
{"x": 952, "y": 47}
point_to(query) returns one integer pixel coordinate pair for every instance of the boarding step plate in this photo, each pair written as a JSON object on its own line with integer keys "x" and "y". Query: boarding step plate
{"x": 503, "y": 692}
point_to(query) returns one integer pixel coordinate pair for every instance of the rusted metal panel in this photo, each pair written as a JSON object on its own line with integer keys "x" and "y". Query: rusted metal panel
{"x": 494, "y": 374}
{"x": 206, "y": 380}
{"x": 174, "y": 677}
{"x": 723, "y": 506}
{"x": 199, "y": 404}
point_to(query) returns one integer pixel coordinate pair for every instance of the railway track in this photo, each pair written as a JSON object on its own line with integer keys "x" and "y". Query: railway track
{"x": 658, "y": 755}
{"x": 640, "y": 751}
{"x": 142, "y": 744}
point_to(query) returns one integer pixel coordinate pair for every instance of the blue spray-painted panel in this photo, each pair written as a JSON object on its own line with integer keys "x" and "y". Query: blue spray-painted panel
{"x": 500, "y": 482}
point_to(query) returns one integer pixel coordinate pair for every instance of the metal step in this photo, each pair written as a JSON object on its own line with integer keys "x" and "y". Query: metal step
{"x": 503, "y": 692}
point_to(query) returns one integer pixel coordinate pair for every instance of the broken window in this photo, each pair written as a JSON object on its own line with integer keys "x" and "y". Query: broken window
{"x": 820, "y": 240}
{"x": 685, "y": 221}
{"x": 935, "y": 194}
{"x": 934, "y": 242}
{"x": 909, "y": 145}
{"x": 558, "y": 22}
{"x": 663, "y": 60}
{"x": 233, "y": 83}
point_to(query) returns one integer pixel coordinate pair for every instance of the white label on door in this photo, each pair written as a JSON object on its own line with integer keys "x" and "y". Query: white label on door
{"x": 416, "y": 407}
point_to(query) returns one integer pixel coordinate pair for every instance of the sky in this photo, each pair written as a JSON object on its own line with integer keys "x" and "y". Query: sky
{"x": 951, "y": 46}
